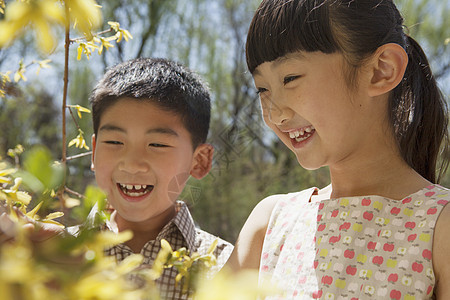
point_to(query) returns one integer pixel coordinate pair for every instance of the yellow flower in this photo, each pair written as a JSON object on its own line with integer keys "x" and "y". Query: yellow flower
{"x": 120, "y": 33}
{"x": 123, "y": 33}
{"x": 5, "y": 172}
{"x": 85, "y": 15}
{"x": 80, "y": 109}
{"x": 20, "y": 74}
{"x": 129, "y": 264}
{"x": 79, "y": 141}
{"x": 12, "y": 194}
{"x": 104, "y": 42}
{"x": 43, "y": 64}
{"x": 2, "y": 6}
{"x": 161, "y": 258}
{"x": 4, "y": 78}
{"x": 86, "y": 48}
{"x": 37, "y": 14}
{"x": 108, "y": 238}
{"x": 227, "y": 285}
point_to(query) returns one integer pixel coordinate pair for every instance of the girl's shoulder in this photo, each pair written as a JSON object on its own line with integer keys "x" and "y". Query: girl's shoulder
{"x": 303, "y": 196}
{"x": 441, "y": 244}
{"x": 248, "y": 247}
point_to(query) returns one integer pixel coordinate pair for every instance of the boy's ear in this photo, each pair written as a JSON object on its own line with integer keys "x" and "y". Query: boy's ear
{"x": 202, "y": 163}
{"x": 93, "y": 152}
{"x": 388, "y": 66}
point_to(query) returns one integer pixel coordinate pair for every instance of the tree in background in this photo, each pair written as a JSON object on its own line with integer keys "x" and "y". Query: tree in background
{"x": 209, "y": 37}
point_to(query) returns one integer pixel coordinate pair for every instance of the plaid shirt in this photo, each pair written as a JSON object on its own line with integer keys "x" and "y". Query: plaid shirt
{"x": 179, "y": 232}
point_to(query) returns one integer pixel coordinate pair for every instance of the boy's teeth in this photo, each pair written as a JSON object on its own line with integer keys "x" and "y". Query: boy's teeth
{"x": 135, "y": 190}
{"x": 133, "y": 187}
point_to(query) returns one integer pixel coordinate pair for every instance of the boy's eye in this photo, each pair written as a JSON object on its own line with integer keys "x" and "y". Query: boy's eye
{"x": 288, "y": 79}
{"x": 158, "y": 145}
{"x": 113, "y": 142}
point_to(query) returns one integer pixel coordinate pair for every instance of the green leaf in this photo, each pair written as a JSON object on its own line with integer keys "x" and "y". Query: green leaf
{"x": 41, "y": 169}
{"x": 94, "y": 195}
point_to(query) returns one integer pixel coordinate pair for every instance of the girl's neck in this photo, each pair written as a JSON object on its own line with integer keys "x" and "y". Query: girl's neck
{"x": 387, "y": 176}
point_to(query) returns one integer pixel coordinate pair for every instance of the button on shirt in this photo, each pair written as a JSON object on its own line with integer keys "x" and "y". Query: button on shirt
{"x": 179, "y": 232}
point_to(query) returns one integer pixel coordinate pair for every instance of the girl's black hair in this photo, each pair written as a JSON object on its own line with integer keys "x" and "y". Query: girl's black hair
{"x": 357, "y": 28}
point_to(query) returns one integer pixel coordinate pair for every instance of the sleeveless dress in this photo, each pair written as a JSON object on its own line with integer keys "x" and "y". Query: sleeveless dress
{"x": 352, "y": 248}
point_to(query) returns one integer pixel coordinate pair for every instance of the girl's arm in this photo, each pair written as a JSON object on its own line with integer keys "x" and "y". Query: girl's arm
{"x": 441, "y": 254}
{"x": 248, "y": 247}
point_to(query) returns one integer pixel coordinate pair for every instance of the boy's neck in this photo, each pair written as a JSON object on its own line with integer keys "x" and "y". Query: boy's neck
{"x": 143, "y": 231}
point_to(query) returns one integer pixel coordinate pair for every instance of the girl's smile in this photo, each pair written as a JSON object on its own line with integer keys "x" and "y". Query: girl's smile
{"x": 307, "y": 102}
{"x": 299, "y": 137}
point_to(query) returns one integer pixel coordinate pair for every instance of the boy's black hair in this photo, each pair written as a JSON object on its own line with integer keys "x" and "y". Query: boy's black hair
{"x": 165, "y": 83}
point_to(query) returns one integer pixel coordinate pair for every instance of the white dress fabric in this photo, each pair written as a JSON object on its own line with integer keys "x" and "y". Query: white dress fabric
{"x": 352, "y": 248}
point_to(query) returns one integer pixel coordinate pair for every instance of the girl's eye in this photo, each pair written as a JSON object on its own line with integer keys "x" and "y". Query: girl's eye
{"x": 113, "y": 142}
{"x": 261, "y": 90}
{"x": 158, "y": 145}
{"x": 288, "y": 79}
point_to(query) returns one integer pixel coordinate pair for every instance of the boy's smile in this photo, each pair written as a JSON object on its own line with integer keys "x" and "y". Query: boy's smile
{"x": 135, "y": 192}
{"x": 139, "y": 150}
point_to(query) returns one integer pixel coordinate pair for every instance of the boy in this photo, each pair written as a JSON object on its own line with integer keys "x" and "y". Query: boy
{"x": 151, "y": 119}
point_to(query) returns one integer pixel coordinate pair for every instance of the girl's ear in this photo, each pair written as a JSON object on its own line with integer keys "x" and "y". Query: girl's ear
{"x": 93, "y": 152}
{"x": 202, "y": 162}
{"x": 388, "y": 66}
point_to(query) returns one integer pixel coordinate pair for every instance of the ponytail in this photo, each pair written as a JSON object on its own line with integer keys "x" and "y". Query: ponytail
{"x": 420, "y": 116}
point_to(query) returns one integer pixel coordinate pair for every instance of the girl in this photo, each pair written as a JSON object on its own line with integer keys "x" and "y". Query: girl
{"x": 343, "y": 86}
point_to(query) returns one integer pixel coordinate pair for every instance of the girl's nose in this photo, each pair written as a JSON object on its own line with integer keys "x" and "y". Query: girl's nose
{"x": 276, "y": 113}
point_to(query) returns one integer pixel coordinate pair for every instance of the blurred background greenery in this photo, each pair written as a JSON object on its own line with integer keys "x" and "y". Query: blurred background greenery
{"x": 209, "y": 37}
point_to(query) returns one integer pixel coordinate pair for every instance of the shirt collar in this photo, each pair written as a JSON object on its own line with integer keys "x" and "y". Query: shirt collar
{"x": 182, "y": 221}
{"x": 185, "y": 224}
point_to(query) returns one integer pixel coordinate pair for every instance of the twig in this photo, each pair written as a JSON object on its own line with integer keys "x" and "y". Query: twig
{"x": 82, "y": 38}
{"x": 74, "y": 192}
{"x": 73, "y": 117}
{"x": 66, "y": 83}
{"x": 78, "y": 155}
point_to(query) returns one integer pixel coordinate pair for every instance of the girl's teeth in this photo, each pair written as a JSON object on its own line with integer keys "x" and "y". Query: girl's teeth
{"x": 298, "y": 133}
{"x": 299, "y": 139}
{"x": 129, "y": 186}
{"x": 138, "y": 187}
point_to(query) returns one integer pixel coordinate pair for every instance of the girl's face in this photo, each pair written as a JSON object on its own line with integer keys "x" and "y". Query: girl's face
{"x": 306, "y": 101}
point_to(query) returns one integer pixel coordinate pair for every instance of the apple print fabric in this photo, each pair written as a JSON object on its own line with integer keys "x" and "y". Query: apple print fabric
{"x": 352, "y": 248}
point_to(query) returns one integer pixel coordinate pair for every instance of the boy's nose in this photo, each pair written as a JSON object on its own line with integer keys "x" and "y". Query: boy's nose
{"x": 134, "y": 163}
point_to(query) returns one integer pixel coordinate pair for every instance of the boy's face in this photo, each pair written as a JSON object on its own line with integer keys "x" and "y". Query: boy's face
{"x": 142, "y": 157}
